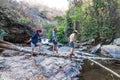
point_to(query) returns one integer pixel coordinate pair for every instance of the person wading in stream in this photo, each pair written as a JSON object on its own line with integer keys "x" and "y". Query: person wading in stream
{"x": 71, "y": 43}
{"x": 54, "y": 40}
{"x": 35, "y": 40}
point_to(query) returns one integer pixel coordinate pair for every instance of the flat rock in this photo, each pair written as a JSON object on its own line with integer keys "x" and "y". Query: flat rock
{"x": 9, "y": 53}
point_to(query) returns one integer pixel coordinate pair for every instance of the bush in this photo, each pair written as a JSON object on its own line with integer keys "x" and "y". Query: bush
{"x": 61, "y": 34}
{"x": 50, "y": 33}
{"x": 2, "y": 33}
{"x": 22, "y": 20}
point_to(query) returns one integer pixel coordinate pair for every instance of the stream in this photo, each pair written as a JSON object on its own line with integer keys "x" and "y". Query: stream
{"x": 19, "y": 65}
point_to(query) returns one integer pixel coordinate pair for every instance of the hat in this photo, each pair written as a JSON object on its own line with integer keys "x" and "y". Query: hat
{"x": 39, "y": 30}
{"x": 75, "y": 31}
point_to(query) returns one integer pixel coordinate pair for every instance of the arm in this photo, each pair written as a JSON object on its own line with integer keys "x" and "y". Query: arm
{"x": 27, "y": 41}
{"x": 33, "y": 36}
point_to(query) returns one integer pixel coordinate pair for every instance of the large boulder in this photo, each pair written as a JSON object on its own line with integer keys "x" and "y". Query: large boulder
{"x": 116, "y": 42}
{"x": 18, "y": 33}
{"x": 111, "y": 50}
{"x": 10, "y": 23}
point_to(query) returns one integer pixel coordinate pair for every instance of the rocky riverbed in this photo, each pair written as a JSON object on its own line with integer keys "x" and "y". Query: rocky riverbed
{"x": 15, "y": 65}
{"x": 19, "y": 65}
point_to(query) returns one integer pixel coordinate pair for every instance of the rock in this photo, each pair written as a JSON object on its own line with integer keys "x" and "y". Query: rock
{"x": 9, "y": 18}
{"x": 116, "y": 42}
{"x": 91, "y": 41}
{"x": 16, "y": 33}
{"x": 1, "y": 50}
{"x": 64, "y": 49}
{"x": 70, "y": 71}
{"x": 38, "y": 68}
{"x": 25, "y": 67}
{"x": 83, "y": 48}
{"x": 76, "y": 45}
{"x": 38, "y": 60}
{"x": 27, "y": 56}
{"x": 9, "y": 53}
{"x": 111, "y": 50}
{"x": 2, "y": 66}
{"x": 50, "y": 48}
{"x": 60, "y": 45}
{"x": 95, "y": 49}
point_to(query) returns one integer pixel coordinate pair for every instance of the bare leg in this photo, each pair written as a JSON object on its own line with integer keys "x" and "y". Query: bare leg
{"x": 56, "y": 49}
{"x": 53, "y": 48}
{"x": 32, "y": 52}
{"x": 71, "y": 53}
{"x": 40, "y": 46}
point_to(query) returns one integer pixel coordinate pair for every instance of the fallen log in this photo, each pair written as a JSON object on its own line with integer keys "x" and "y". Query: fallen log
{"x": 109, "y": 70}
{"x": 7, "y": 45}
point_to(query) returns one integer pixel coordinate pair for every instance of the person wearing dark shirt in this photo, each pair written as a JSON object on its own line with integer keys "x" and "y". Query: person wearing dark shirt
{"x": 35, "y": 40}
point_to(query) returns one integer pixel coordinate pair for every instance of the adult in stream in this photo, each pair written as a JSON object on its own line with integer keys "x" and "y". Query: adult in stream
{"x": 71, "y": 43}
{"x": 35, "y": 40}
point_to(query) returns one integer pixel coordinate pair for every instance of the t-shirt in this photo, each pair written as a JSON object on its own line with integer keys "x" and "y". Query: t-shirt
{"x": 35, "y": 38}
{"x": 54, "y": 36}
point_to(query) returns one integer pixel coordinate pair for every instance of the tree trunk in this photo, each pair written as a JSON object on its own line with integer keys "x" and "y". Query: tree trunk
{"x": 7, "y": 45}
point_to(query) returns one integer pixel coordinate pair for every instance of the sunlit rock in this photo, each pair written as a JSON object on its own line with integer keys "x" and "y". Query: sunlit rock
{"x": 111, "y": 50}
{"x": 116, "y": 42}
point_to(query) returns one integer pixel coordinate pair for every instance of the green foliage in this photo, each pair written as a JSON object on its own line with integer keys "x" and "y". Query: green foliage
{"x": 69, "y": 25}
{"x": 60, "y": 34}
{"x": 2, "y": 33}
{"x": 92, "y": 22}
{"x": 59, "y": 19}
{"x": 22, "y": 20}
{"x": 50, "y": 33}
{"x": 61, "y": 26}
{"x": 77, "y": 14}
{"x": 48, "y": 30}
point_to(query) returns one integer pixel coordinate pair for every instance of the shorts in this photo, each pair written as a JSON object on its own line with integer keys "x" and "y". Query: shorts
{"x": 33, "y": 45}
{"x": 71, "y": 44}
{"x": 54, "y": 42}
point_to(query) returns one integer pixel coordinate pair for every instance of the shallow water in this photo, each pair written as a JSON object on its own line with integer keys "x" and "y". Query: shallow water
{"x": 91, "y": 71}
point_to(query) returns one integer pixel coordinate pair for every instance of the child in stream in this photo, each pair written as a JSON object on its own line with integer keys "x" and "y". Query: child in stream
{"x": 35, "y": 40}
{"x": 71, "y": 43}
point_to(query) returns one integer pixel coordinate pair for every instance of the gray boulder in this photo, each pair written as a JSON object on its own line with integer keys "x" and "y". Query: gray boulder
{"x": 116, "y": 42}
{"x": 9, "y": 53}
{"x": 111, "y": 50}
